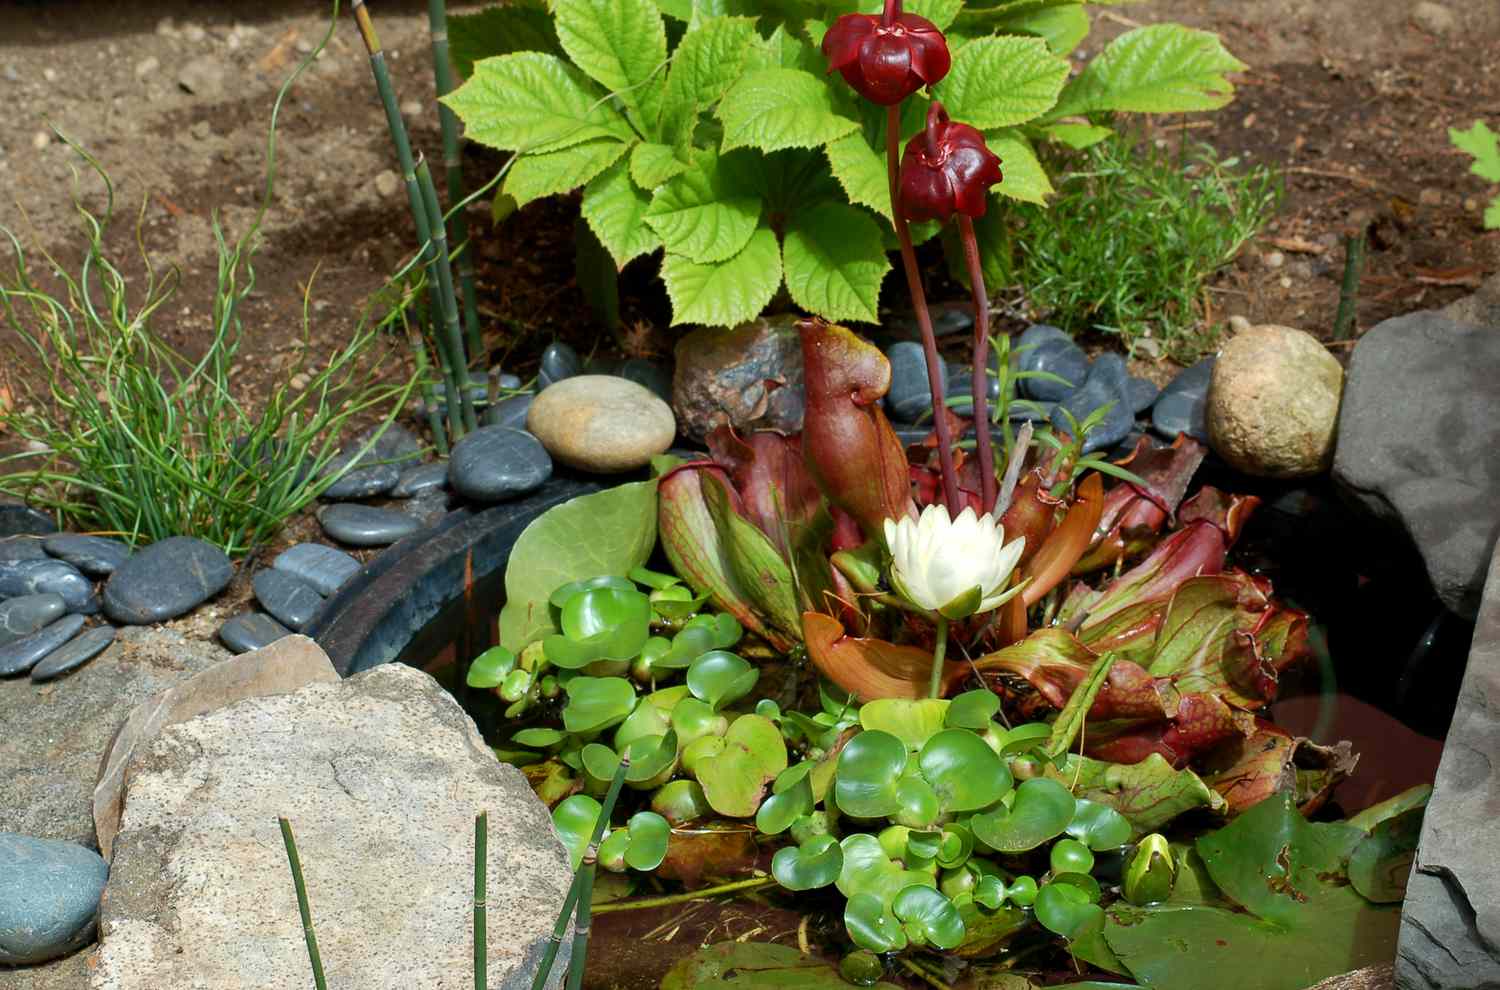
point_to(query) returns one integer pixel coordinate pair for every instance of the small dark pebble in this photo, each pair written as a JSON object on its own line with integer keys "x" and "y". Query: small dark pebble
{"x": 251, "y": 631}
{"x": 166, "y": 579}
{"x": 20, "y": 617}
{"x": 559, "y": 361}
{"x": 22, "y": 520}
{"x": 97, "y": 556}
{"x": 326, "y": 568}
{"x": 38, "y": 577}
{"x": 22, "y": 655}
{"x": 365, "y": 525}
{"x": 422, "y": 478}
{"x": 74, "y": 653}
{"x": 22, "y": 548}
{"x": 289, "y": 599}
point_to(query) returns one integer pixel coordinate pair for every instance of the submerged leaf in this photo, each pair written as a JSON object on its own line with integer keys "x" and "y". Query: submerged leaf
{"x": 754, "y": 966}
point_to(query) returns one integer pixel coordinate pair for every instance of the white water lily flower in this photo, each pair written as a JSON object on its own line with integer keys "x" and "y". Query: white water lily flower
{"x": 954, "y": 567}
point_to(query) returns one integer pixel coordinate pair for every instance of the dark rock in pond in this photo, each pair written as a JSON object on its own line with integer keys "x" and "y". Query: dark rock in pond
{"x": 22, "y": 520}
{"x": 291, "y": 600}
{"x": 74, "y": 653}
{"x": 251, "y": 631}
{"x": 22, "y": 548}
{"x": 20, "y": 656}
{"x": 506, "y": 381}
{"x": 96, "y": 556}
{"x": 49, "y": 897}
{"x": 40, "y": 577}
{"x": 559, "y": 361}
{"x": 20, "y": 617}
{"x": 166, "y": 579}
{"x": 1140, "y": 394}
{"x": 326, "y": 568}
{"x": 1108, "y": 369}
{"x": 1418, "y": 447}
{"x": 1094, "y": 394}
{"x": 1182, "y": 405}
{"x": 495, "y": 463}
{"x": 365, "y": 525}
{"x": 378, "y": 470}
{"x": 1050, "y": 350}
{"x": 747, "y": 378}
{"x": 650, "y": 374}
{"x": 909, "y": 397}
{"x": 422, "y": 478}
{"x": 511, "y": 411}
{"x": 429, "y": 506}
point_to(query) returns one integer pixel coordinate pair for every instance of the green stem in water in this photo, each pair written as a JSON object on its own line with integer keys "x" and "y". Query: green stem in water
{"x": 300, "y": 884}
{"x": 939, "y": 652}
{"x": 754, "y": 883}
{"x": 935, "y": 382}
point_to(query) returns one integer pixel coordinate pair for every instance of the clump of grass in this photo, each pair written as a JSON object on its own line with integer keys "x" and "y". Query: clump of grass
{"x": 128, "y": 436}
{"x": 1133, "y": 235}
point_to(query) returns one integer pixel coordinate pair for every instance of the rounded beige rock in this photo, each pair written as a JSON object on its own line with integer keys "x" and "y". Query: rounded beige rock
{"x": 601, "y": 424}
{"x": 1273, "y": 403}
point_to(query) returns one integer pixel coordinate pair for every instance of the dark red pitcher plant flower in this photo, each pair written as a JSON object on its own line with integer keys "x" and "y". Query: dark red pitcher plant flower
{"x": 889, "y": 56}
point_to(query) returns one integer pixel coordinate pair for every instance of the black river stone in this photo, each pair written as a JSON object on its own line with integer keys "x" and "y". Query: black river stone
{"x": 165, "y": 580}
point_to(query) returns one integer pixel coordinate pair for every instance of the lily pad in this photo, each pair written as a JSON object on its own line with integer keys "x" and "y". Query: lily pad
{"x": 816, "y": 863}
{"x": 1041, "y": 811}
{"x": 490, "y": 668}
{"x": 596, "y": 703}
{"x": 720, "y": 678}
{"x": 754, "y": 966}
{"x": 1381, "y": 863}
{"x": 869, "y": 770}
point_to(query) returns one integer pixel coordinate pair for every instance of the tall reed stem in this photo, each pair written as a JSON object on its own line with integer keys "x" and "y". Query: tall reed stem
{"x": 445, "y": 288}
{"x": 919, "y": 303}
{"x": 981, "y": 364}
{"x": 453, "y": 166}
{"x": 300, "y": 884}
{"x": 455, "y": 367}
{"x": 481, "y": 905}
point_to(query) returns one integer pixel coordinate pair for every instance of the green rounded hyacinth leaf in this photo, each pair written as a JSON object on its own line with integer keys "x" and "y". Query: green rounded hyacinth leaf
{"x": 1024, "y": 738}
{"x": 612, "y": 851}
{"x": 869, "y": 768}
{"x": 649, "y": 835}
{"x": 560, "y": 597}
{"x": 972, "y": 710}
{"x": 956, "y": 847}
{"x": 918, "y": 805}
{"x": 680, "y": 801}
{"x": 928, "y": 917}
{"x": 913, "y": 722}
{"x": 538, "y": 738}
{"x": 596, "y": 703}
{"x": 490, "y": 668}
{"x": 515, "y": 686}
{"x": 923, "y": 846}
{"x": 871, "y": 925}
{"x": 719, "y": 678}
{"x": 734, "y": 780}
{"x": 963, "y": 771}
{"x": 1083, "y": 881}
{"x": 646, "y": 720}
{"x": 1065, "y": 909}
{"x": 654, "y": 580}
{"x": 1041, "y": 811}
{"x": 600, "y": 610}
{"x": 573, "y": 819}
{"x": 650, "y": 757}
{"x": 699, "y": 750}
{"x": 1070, "y": 856}
{"x": 688, "y": 645}
{"x": 599, "y": 761}
{"x": 1099, "y": 826}
{"x": 694, "y": 720}
{"x": 992, "y": 891}
{"x": 766, "y": 708}
{"x": 816, "y": 863}
{"x": 785, "y": 806}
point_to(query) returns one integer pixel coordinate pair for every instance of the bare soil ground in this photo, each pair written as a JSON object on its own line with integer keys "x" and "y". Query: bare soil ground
{"x": 1351, "y": 98}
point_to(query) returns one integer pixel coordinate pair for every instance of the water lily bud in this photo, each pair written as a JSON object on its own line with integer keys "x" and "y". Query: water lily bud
{"x": 1150, "y": 871}
{"x": 956, "y": 567}
{"x": 946, "y": 169}
{"x": 886, "y": 63}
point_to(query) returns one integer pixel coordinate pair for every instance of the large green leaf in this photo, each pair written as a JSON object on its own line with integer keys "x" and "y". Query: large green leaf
{"x": 535, "y": 176}
{"x": 996, "y": 82}
{"x": 652, "y": 164}
{"x": 939, "y": 12}
{"x": 1381, "y": 863}
{"x": 1063, "y": 26}
{"x": 774, "y": 109}
{"x": 710, "y": 57}
{"x": 729, "y": 292}
{"x": 532, "y": 101}
{"x": 1149, "y": 793}
{"x": 607, "y": 532}
{"x": 1025, "y": 178}
{"x": 520, "y": 26}
{"x": 1159, "y": 68}
{"x": 835, "y": 262}
{"x": 614, "y": 207}
{"x": 861, "y": 171}
{"x": 704, "y": 213}
{"x": 622, "y": 45}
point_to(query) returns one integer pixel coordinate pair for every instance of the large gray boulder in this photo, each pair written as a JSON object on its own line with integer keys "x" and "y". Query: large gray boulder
{"x": 1419, "y": 443}
{"x": 1450, "y": 921}
{"x": 381, "y": 776}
